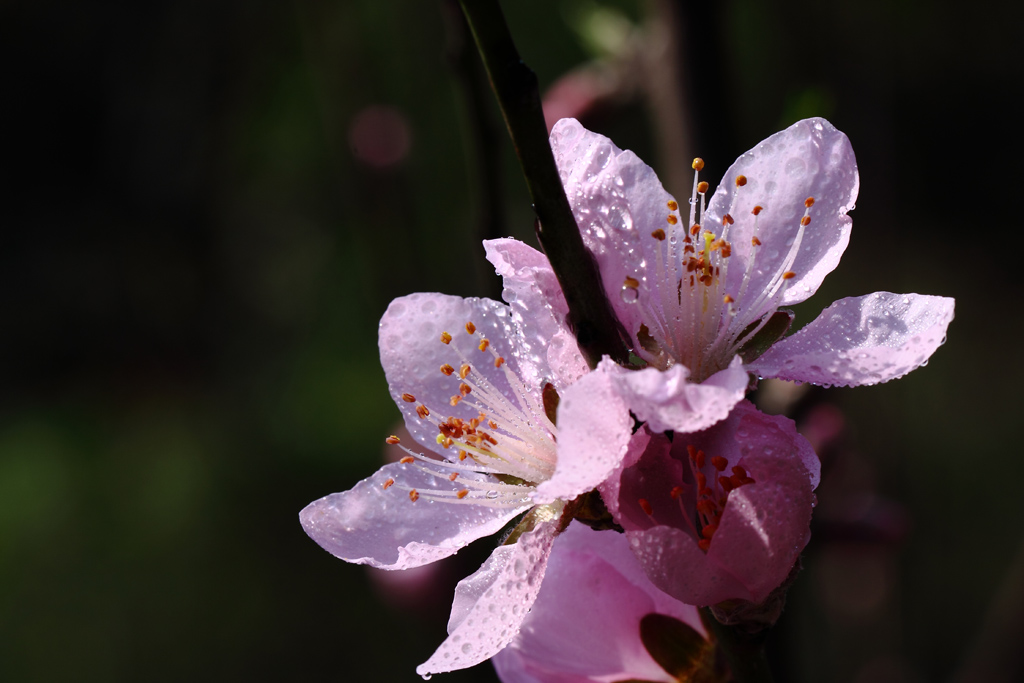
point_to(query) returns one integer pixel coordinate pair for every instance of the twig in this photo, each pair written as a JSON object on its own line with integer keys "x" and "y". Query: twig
{"x": 591, "y": 317}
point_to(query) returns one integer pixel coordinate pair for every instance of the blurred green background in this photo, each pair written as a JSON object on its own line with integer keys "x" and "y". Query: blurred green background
{"x": 207, "y": 207}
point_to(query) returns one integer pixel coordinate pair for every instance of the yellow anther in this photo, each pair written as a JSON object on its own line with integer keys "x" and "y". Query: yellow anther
{"x": 672, "y": 220}
{"x": 447, "y": 369}
{"x": 631, "y": 282}
{"x": 673, "y": 206}
{"x": 698, "y": 164}
{"x": 446, "y": 338}
{"x": 470, "y": 327}
{"x": 483, "y": 344}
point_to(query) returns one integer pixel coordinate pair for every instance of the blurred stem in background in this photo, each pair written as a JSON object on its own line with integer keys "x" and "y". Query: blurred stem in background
{"x": 591, "y": 317}
{"x": 483, "y": 141}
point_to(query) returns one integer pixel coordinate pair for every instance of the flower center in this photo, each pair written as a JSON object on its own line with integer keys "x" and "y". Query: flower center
{"x": 689, "y": 314}
{"x": 510, "y": 440}
{"x": 703, "y": 503}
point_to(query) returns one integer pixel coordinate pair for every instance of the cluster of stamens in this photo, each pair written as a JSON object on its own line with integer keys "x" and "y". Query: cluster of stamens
{"x": 711, "y": 496}
{"x": 688, "y": 316}
{"x": 510, "y": 441}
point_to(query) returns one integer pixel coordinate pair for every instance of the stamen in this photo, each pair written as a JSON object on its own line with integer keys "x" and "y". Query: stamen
{"x": 645, "y": 506}
{"x": 672, "y": 219}
{"x": 447, "y": 369}
{"x": 407, "y": 460}
{"x": 809, "y": 202}
{"x": 422, "y": 411}
{"x": 499, "y": 361}
{"x": 388, "y": 483}
{"x": 484, "y": 344}
{"x": 741, "y": 180}
{"x": 464, "y": 370}
{"x": 659, "y": 234}
{"x": 392, "y": 440}
{"x": 414, "y": 495}
{"x": 698, "y": 164}
{"x": 446, "y": 338}
{"x": 788, "y": 275}
{"x": 702, "y": 187}
{"x": 805, "y": 221}
{"x": 470, "y": 327}
{"x": 408, "y": 398}
{"x": 462, "y": 494}
{"x": 673, "y": 206}
{"x": 453, "y": 476}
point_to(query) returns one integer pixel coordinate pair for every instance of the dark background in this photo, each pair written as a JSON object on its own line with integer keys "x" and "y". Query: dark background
{"x": 206, "y": 207}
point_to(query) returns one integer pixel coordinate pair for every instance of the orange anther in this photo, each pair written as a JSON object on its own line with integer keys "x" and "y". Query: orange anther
{"x": 709, "y": 531}
{"x": 464, "y": 389}
{"x": 805, "y": 221}
{"x": 726, "y": 484}
{"x": 695, "y": 228}
{"x": 387, "y": 484}
{"x": 492, "y": 424}
{"x": 414, "y": 495}
{"x": 463, "y": 371}
{"x": 728, "y": 299}
{"x": 673, "y": 206}
{"x": 699, "y": 460}
{"x": 454, "y": 401}
{"x": 462, "y": 494}
{"x": 702, "y": 481}
{"x": 676, "y": 491}
{"x": 754, "y": 242}
{"x": 727, "y": 220}
{"x": 408, "y": 398}
{"x": 446, "y": 338}
{"x": 483, "y": 344}
{"x": 757, "y": 209}
{"x": 392, "y": 440}
{"x": 422, "y": 411}
{"x": 741, "y": 180}
{"x": 698, "y": 164}
{"x": 407, "y": 460}
{"x": 658, "y": 234}
{"x": 447, "y": 369}
{"x": 704, "y": 544}
{"x": 809, "y": 202}
{"x": 631, "y": 282}
{"x": 672, "y": 220}
{"x": 719, "y": 463}
{"x": 702, "y": 187}
{"x": 739, "y": 471}
{"x": 453, "y": 476}
{"x": 645, "y": 506}
{"x": 788, "y": 275}
{"x": 463, "y": 455}
{"x": 499, "y": 361}
{"x": 691, "y": 450}
{"x": 470, "y": 327}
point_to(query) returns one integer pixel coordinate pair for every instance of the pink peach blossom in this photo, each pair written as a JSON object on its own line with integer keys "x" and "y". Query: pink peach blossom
{"x": 469, "y": 377}
{"x": 720, "y": 514}
{"x": 585, "y": 625}
{"x": 698, "y": 287}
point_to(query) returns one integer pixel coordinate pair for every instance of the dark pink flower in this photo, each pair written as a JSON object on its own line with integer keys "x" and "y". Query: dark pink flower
{"x": 698, "y": 286}
{"x": 469, "y": 377}
{"x": 719, "y": 514}
{"x": 585, "y": 625}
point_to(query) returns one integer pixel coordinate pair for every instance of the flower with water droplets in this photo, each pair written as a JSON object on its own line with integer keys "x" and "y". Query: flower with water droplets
{"x": 720, "y": 514}
{"x": 585, "y": 626}
{"x": 699, "y": 286}
{"x": 509, "y": 434}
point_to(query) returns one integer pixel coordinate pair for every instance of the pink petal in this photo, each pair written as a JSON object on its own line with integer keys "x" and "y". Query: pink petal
{"x": 809, "y": 159}
{"x": 667, "y": 401}
{"x": 586, "y": 621}
{"x": 385, "y": 529}
{"x": 594, "y": 428}
{"x": 861, "y": 340}
{"x": 618, "y": 202}
{"x": 765, "y": 524}
{"x": 539, "y": 311}
{"x": 490, "y": 605}
{"x": 412, "y": 354}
